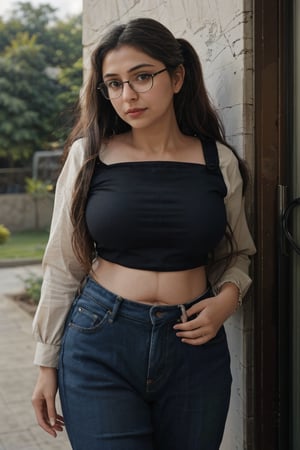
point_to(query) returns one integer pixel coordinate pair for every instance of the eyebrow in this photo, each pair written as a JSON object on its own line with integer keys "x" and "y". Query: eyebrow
{"x": 139, "y": 66}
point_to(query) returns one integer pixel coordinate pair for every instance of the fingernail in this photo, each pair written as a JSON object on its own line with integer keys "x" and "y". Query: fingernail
{"x": 52, "y": 421}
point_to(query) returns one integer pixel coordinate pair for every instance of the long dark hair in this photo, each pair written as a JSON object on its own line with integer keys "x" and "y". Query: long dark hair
{"x": 97, "y": 119}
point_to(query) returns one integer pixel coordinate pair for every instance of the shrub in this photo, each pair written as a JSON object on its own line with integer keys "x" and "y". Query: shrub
{"x": 37, "y": 187}
{"x": 38, "y": 191}
{"x": 4, "y": 234}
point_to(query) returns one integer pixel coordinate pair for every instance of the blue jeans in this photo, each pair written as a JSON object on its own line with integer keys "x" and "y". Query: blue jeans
{"x": 127, "y": 382}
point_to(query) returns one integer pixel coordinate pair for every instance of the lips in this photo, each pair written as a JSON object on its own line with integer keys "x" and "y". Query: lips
{"x": 135, "y": 111}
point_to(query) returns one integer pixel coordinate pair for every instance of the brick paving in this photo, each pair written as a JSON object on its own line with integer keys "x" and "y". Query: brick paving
{"x": 18, "y": 427}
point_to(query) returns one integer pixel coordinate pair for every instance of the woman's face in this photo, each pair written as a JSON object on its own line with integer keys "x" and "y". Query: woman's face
{"x": 142, "y": 109}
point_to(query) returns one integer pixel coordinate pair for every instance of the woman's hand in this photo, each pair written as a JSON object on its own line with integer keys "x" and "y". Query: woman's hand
{"x": 211, "y": 314}
{"x": 43, "y": 401}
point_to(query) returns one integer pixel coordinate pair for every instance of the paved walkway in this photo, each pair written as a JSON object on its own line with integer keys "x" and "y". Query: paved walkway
{"x": 18, "y": 428}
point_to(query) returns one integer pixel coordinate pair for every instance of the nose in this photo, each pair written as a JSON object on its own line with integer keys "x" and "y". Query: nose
{"x": 128, "y": 91}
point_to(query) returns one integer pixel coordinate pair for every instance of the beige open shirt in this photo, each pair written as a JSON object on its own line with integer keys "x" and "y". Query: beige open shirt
{"x": 62, "y": 273}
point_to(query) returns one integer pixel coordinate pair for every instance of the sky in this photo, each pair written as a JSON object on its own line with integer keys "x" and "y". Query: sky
{"x": 64, "y": 7}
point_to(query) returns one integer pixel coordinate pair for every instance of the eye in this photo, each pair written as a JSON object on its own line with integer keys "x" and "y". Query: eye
{"x": 113, "y": 84}
{"x": 143, "y": 77}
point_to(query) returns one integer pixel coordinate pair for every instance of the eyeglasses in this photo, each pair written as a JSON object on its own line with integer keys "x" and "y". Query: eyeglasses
{"x": 141, "y": 82}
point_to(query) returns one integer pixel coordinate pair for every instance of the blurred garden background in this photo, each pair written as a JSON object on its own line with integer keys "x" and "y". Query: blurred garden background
{"x": 40, "y": 81}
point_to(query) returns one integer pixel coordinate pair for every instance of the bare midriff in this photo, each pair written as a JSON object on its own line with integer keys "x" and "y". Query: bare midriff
{"x": 165, "y": 288}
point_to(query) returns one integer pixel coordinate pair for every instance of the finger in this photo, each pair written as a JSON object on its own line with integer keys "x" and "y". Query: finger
{"x": 59, "y": 424}
{"x": 198, "y": 307}
{"x": 59, "y": 419}
{"x": 40, "y": 410}
{"x": 58, "y": 427}
{"x": 51, "y": 411}
{"x": 194, "y": 334}
{"x": 190, "y": 324}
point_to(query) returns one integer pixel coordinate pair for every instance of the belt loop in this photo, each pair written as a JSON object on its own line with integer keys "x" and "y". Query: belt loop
{"x": 115, "y": 309}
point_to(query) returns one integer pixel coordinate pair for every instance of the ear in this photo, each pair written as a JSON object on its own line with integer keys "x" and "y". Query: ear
{"x": 178, "y": 78}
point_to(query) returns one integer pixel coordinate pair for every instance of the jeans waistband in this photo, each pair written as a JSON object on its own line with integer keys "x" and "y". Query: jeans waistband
{"x": 137, "y": 310}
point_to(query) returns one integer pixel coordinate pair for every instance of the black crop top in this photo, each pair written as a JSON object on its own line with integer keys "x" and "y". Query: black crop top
{"x": 157, "y": 215}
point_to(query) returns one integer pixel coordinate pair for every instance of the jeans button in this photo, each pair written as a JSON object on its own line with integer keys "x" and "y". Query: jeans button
{"x": 159, "y": 314}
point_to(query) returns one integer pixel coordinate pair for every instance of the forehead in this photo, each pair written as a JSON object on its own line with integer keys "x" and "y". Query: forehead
{"x": 124, "y": 58}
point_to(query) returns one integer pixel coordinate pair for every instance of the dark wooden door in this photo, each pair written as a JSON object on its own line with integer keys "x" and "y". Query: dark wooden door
{"x": 273, "y": 296}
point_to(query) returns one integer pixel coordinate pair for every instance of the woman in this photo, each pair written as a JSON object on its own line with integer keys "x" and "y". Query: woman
{"x": 149, "y": 236}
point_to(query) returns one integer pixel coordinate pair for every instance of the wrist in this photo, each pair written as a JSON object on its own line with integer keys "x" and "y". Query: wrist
{"x": 230, "y": 293}
{"x": 45, "y": 369}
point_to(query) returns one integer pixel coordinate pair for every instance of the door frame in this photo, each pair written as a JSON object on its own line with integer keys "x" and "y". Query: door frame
{"x": 273, "y": 140}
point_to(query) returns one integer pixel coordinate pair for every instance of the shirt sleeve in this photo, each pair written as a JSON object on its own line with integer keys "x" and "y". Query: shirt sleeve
{"x": 62, "y": 272}
{"x": 237, "y": 272}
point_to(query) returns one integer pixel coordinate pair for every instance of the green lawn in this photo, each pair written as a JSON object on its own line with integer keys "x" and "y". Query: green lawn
{"x": 24, "y": 245}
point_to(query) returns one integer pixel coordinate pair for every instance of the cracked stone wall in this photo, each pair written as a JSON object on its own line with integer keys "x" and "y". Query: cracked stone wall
{"x": 221, "y": 32}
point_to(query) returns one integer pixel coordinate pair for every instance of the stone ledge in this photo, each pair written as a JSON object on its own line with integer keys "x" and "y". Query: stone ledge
{"x": 19, "y": 262}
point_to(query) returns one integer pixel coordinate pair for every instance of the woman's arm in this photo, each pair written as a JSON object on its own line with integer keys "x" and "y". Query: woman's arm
{"x": 229, "y": 284}
{"x": 61, "y": 277}
{"x": 237, "y": 272}
{"x": 62, "y": 272}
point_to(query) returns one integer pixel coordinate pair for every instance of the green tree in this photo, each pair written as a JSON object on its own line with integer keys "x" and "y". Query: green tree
{"x": 33, "y": 19}
{"x": 26, "y": 18}
{"x": 28, "y": 99}
{"x": 40, "y": 79}
{"x": 63, "y": 42}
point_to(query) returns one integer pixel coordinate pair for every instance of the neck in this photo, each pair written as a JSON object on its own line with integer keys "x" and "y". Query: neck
{"x": 157, "y": 140}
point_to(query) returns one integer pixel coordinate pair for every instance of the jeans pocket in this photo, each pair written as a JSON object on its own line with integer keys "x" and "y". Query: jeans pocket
{"x": 87, "y": 319}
